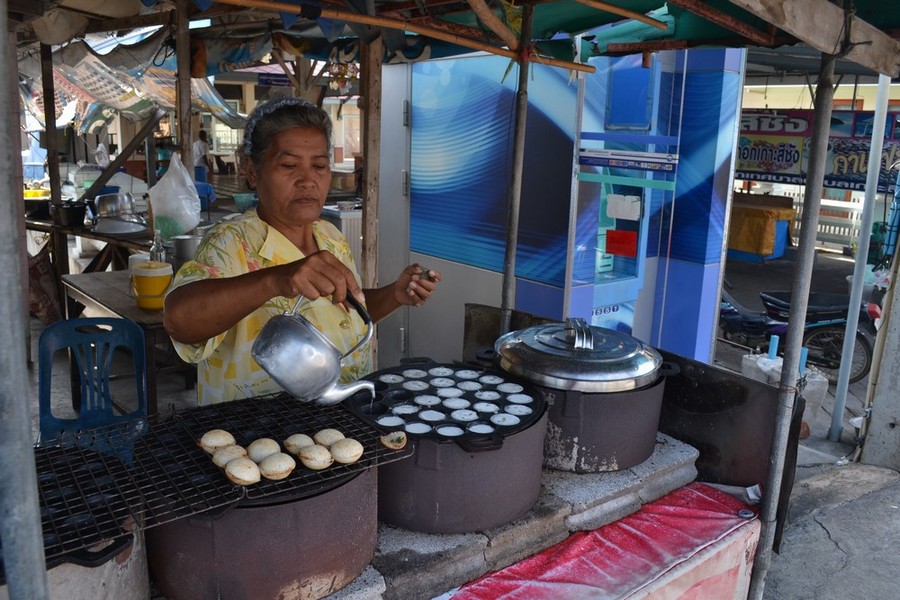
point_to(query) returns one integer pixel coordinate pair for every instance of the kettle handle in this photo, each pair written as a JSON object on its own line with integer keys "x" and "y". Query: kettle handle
{"x": 362, "y": 313}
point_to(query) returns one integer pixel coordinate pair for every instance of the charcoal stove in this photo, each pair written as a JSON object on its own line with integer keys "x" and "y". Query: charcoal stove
{"x": 150, "y": 472}
{"x": 478, "y": 436}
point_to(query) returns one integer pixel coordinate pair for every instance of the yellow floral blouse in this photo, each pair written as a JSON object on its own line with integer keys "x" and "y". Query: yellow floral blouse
{"x": 225, "y": 368}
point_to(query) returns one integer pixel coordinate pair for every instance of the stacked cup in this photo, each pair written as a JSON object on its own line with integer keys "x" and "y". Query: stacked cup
{"x": 149, "y": 281}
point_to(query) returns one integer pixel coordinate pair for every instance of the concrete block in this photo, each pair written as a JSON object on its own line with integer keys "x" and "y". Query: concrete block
{"x": 613, "y": 509}
{"x": 671, "y": 466}
{"x": 543, "y": 526}
{"x": 660, "y": 485}
{"x": 414, "y": 565}
{"x": 368, "y": 586}
{"x": 584, "y": 491}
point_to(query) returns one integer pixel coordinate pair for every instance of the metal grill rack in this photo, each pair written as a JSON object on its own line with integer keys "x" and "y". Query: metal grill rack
{"x": 99, "y": 484}
{"x": 281, "y": 416}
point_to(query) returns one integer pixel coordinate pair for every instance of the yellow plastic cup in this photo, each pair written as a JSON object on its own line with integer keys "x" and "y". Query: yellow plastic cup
{"x": 149, "y": 282}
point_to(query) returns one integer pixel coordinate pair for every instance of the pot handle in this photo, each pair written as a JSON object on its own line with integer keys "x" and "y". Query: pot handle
{"x": 485, "y": 444}
{"x": 668, "y": 369}
{"x": 579, "y": 333}
{"x": 362, "y": 313}
{"x": 91, "y": 558}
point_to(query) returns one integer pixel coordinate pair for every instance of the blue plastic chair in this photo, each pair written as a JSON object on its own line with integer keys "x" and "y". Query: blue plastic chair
{"x": 92, "y": 344}
{"x": 207, "y": 194}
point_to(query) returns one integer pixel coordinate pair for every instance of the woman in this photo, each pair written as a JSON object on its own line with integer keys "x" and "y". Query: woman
{"x": 250, "y": 269}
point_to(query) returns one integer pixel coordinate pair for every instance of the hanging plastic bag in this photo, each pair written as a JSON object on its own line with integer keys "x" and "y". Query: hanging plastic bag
{"x": 174, "y": 201}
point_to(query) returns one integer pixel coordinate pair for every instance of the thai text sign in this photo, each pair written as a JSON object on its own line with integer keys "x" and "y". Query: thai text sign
{"x": 773, "y": 146}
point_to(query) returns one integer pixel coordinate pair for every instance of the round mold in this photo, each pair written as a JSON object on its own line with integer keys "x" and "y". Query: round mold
{"x": 467, "y": 374}
{"x": 398, "y": 396}
{"x": 469, "y": 386}
{"x": 505, "y": 419}
{"x": 417, "y": 428}
{"x": 490, "y": 379}
{"x": 390, "y": 378}
{"x": 519, "y": 410}
{"x": 415, "y": 373}
{"x": 374, "y": 408}
{"x": 404, "y": 409}
{"x": 486, "y": 407}
{"x": 442, "y": 382}
{"x": 520, "y": 399}
{"x": 450, "y": 392}
{"x": 427, "y": 400}
{"x": 487, "y": 395}
{"x": 480, "y": 428}
{"x": 450, "y": 430}
{"x": 510, "y": 388}
{"x": 431, "y": 415}
{"x": 457, "y": 403}
{"x": 390, "y": 421}
{"x": 416, "y": 385}
{"x": 464, "y": 415}
{"x": 440, "y": 372}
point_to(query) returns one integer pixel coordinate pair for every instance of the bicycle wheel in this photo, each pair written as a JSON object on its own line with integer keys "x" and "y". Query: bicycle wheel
{"x": 826, "y": 345}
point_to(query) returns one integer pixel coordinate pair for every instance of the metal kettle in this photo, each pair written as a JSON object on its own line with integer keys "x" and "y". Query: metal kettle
{"x": 303, "y": 361}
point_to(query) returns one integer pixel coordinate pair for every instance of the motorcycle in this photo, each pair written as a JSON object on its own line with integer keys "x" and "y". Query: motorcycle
{"x": 823, "y": 331}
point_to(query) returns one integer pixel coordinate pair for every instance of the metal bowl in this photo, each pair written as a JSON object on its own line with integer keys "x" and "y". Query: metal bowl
{"x": 114, "y": 205}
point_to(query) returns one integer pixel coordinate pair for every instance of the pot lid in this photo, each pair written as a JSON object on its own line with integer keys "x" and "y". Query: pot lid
{"x": 576, "y": 356}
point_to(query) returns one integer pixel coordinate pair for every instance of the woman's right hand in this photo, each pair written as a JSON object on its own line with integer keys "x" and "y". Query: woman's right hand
{"x": 319, "y": 274}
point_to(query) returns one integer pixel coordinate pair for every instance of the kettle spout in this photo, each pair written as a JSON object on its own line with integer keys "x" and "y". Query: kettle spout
{"x": 340, "y": 392}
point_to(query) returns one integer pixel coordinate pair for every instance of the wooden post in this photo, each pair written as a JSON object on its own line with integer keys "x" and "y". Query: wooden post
{"x": 183, "y": 82}
{"x": 370, "y": 89}
{"x": 49, "y": 91}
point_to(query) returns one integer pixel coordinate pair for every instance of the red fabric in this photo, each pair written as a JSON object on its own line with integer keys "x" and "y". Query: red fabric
{"x": 621, "y": 557}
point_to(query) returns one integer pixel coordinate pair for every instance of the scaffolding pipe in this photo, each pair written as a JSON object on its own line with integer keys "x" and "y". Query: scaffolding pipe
{"x": 862, "y": 250}
{"x": 20, "y": 521}
{"x": 787, "y": 388}
{"x": 515, "y": 184}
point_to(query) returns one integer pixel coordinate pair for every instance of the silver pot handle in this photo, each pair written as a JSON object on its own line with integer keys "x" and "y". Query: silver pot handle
{"x": 579, "y": 333}
{"x": 362, "y": 313}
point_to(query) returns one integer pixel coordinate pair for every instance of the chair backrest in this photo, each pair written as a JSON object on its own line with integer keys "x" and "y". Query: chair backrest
{"x": 206, "y": 192}
{"x": 92, "y": 343}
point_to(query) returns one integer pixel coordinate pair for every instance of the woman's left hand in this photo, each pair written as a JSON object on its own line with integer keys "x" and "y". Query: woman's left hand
{"x": 415, "y": 285}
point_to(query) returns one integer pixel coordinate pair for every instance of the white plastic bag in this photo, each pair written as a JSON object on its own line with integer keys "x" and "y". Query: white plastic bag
{"x": 175, "y": 202}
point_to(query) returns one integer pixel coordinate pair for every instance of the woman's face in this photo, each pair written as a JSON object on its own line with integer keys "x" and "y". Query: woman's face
{"x": 294, "y": 177}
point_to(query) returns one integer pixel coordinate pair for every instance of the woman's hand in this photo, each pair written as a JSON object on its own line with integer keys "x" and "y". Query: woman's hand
{"x": 319, "y": 274}
{"x": 415, "y": 285}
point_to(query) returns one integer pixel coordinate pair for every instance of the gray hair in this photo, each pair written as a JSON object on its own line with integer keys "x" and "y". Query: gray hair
{"x": 276, "y": 115}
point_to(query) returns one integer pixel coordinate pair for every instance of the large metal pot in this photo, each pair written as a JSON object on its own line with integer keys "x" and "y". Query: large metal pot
{"x": 297, "y": 550}
{"x": 305, "y": 362}
{"x": 603, "y": 389}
